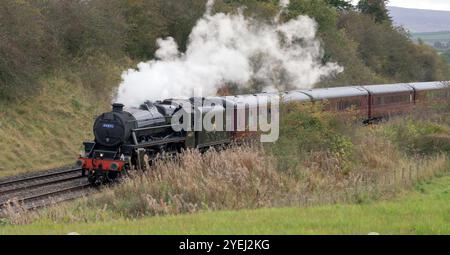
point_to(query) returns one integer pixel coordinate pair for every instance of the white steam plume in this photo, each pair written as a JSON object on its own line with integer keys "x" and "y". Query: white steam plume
{"x": 284, "y": 3}
{"x": 226, "y": 48}
{"x": 209, "y": 6}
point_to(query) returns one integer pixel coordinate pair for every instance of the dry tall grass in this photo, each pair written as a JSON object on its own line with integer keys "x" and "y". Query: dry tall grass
{"x": 232, "y": 179}
{"x": 245, "y": 178}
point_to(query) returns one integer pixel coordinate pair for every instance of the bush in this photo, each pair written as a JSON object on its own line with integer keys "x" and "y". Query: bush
{"x": 260, "y": 9}
{"x": 152, "y": 19}
{"x": 85, "y": 28}
{"x": 42, "y": 36}
{"x": 419, "y": 137}
{"x": 21, "y": 47}
{"x": 305, "y": 130}
{"x": 390, "y": 53}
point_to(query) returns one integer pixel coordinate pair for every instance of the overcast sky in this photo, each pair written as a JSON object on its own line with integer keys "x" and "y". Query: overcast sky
{"x": 421, "y": 4}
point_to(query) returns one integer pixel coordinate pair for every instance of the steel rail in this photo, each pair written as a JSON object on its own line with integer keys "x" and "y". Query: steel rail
{"x": 14, "y": 189}
{"x": 47, "y": 195}
{"x": 38, "y": 177}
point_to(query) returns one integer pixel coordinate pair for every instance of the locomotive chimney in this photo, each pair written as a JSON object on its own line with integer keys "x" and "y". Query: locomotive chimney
{"x": 117, "y": 107}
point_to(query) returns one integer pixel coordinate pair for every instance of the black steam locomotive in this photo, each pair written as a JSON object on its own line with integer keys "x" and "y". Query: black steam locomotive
{"x": 130, "y": 139}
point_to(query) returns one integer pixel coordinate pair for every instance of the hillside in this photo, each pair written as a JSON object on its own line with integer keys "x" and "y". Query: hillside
{"x": 421, "y": 21}
{"x": 47, "y": 131}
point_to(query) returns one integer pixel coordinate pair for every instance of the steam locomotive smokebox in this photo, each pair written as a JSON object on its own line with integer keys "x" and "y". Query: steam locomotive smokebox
{"x": 114, "y": 128}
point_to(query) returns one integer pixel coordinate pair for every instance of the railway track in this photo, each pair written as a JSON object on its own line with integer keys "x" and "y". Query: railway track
{"x": 42, "y": 189}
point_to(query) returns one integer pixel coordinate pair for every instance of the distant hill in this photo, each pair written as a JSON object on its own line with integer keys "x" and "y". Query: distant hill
{"x": 421, "y": 21}
{"x": 438, "y": 40}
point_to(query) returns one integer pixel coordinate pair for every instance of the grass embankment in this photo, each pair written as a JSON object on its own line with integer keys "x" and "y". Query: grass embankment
{"x": 47, "y": 129}
{"x": 426, "y": 210}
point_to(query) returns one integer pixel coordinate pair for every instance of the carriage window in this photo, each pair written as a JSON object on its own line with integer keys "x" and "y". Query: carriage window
{"x": 347, "y": 104}
{"x": 379, "y": 101}
{"x": 352, "y": 103}
{"x": 393, "y": 99}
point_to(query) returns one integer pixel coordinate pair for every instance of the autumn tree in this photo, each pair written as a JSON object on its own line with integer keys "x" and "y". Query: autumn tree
{"x": 340, "y": 4}
{"x": 84, "y": 28}
{"x": 375, "y": 8}
{"x": 21, "y": 44}
{"x": 390, "y": 52}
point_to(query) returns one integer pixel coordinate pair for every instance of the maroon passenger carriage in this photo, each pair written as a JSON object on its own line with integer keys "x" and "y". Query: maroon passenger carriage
{"x": 342, "y": 99}
{"x": 386, "y": 101}
{"x": 375, "y": 102}
{"x": 427, "y": 93}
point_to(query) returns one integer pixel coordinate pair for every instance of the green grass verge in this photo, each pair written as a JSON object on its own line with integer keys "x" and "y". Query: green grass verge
{"x": 426, "y": 210}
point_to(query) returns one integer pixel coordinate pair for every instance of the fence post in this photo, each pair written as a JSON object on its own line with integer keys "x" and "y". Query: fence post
{"x": 357, "y": 184}
{"x": 403, "y": 175}
{"x": 417, "y": 172}
{"x": 410, "y": 174}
